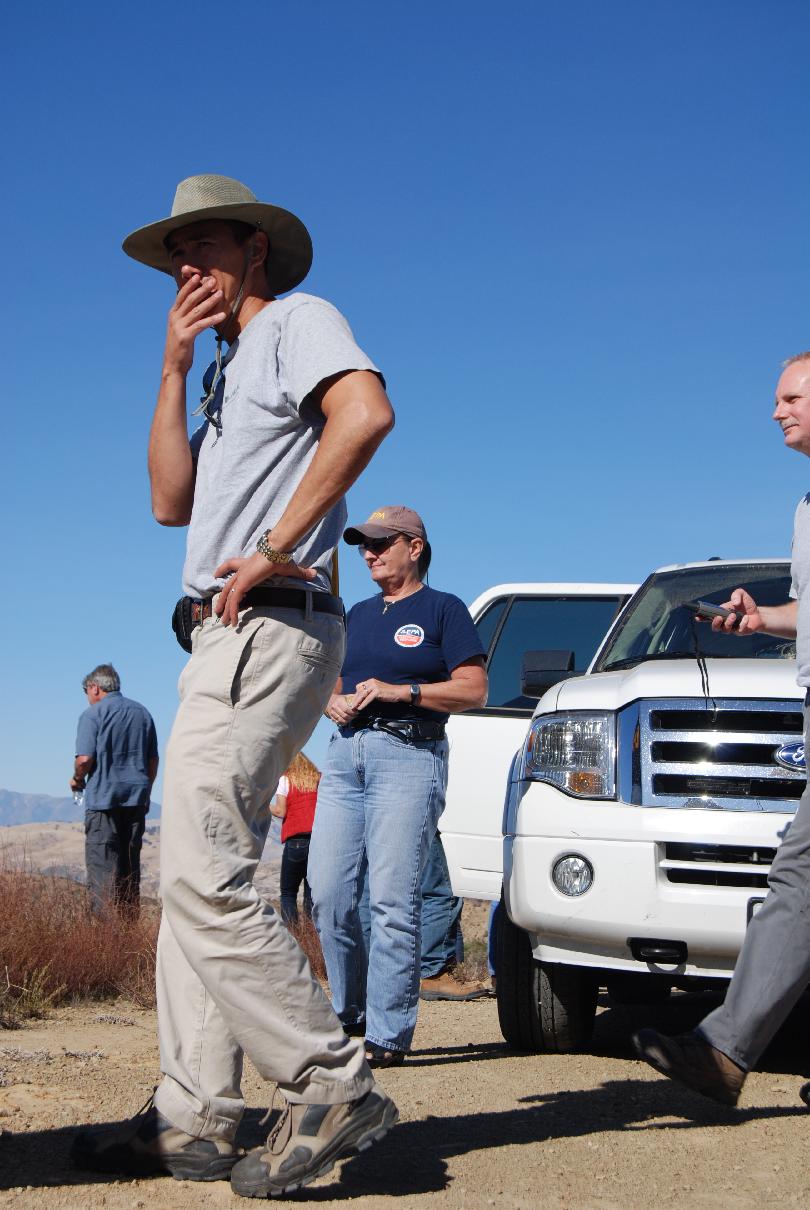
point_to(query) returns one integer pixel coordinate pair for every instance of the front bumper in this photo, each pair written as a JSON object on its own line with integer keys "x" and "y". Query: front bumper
{"x": 634, "y": 892}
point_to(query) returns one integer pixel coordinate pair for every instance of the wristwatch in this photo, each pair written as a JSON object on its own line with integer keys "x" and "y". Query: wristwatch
{"x": 270, "y": 553}
{"x": 416, "y": 693}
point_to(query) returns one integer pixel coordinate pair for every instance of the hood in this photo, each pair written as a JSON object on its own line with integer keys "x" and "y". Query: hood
{"x": 674, "y": 678}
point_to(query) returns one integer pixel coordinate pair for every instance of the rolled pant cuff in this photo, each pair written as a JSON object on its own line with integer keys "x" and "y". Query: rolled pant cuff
{"x": 398, "y": 1046}
{"x": 174, "y": 1105}
{"x": 315, "y": 1093}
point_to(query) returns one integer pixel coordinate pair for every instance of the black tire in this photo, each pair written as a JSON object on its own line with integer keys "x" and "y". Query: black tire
{"x": 516, "y": 985}
{"x": 567, "y": 1005}
{"x": 541, "y": 1005}
{"x": 628, "y": 988}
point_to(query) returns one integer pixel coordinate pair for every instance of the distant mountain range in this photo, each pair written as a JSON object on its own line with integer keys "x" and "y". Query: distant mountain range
{"x": 44, "y": 808}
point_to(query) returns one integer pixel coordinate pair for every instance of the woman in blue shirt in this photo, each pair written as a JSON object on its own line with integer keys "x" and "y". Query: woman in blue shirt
{"x": 413, "y": 657}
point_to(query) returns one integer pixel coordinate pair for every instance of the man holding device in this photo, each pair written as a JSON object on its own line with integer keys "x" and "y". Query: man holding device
{"x": 290, "y": 417}
{"x": 773, "y": 968}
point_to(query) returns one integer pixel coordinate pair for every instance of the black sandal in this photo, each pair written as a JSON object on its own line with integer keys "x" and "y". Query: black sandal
{"x": 378, "y": 1056}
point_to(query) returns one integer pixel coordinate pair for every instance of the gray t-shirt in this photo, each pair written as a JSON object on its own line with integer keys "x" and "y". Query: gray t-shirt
{"x": 800, "y": 586}
{"x": 247, "y": 474}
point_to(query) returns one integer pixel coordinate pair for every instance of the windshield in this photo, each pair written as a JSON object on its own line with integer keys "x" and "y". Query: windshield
{"x": 658, "y": 624}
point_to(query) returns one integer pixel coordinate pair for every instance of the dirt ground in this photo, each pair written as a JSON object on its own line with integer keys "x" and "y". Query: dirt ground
{"x": 479, "y": 1126}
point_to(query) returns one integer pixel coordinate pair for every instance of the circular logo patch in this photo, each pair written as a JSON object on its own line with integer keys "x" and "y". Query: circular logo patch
{"x": 409, "y": 635}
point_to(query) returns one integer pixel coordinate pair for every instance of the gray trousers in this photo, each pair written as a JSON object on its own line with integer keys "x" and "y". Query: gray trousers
{"x": 773, "y": 968}
{"x": 112, "y": 856}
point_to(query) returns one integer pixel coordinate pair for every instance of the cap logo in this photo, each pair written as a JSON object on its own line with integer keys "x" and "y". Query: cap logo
{"x": 378, "y": 516}
{"x": 409, "y": 635}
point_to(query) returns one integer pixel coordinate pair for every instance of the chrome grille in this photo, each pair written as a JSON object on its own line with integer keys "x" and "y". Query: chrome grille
{"x": 714, "y": 755}
{"x": 717, "y": 864}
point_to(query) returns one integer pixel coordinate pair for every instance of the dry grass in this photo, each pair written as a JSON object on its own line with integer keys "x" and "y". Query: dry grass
{"x": 306, "y": 935}
{"x": 52, "y": 950}
{"x": 474, "y": 968}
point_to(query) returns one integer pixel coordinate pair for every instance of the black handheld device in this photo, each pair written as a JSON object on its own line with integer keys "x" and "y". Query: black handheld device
{"x": 707, "y": 611}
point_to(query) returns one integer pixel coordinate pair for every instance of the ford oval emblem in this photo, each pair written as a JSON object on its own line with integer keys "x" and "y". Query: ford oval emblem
{"x": 791, "y": 756}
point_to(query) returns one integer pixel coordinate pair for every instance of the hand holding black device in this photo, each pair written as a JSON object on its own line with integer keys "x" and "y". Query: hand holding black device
{"x": 708, "y": 612}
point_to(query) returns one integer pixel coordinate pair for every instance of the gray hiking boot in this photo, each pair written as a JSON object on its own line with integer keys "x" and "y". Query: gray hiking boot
{"x": 150, "y": 1143}
{"x": 691, "y": 1060}
{"x": 307, "y": 1140}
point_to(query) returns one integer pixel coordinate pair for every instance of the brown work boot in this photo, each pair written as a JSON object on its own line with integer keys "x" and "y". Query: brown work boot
{"x": 448, "y": 986}
{"x": 307, "y": 1140}
{"x": 150, "y": 1143}
{"x": 691, "y": 1060}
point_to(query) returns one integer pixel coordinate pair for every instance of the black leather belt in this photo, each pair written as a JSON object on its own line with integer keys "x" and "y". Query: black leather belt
{"x": 407, "y": 729}
{"x": 278, "y": 598}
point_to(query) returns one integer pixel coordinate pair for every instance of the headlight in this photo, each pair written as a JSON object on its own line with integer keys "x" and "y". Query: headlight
{"x": 576, "y": 752}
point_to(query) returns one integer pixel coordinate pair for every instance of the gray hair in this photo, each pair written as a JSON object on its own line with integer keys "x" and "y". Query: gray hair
{"x": 105, "y": 677}
{"x": 796, "y": 357}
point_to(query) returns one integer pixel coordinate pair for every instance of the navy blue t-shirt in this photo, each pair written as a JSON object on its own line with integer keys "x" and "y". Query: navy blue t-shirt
{"x": 120, "y": 734}
{"x": 419, "y": 639}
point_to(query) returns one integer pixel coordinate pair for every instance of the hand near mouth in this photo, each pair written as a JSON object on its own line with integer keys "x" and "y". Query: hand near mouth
{"x": 198, "y": 306}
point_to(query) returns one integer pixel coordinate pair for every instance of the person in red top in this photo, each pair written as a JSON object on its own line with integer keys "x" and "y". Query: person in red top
{"x": 295, "y": 801}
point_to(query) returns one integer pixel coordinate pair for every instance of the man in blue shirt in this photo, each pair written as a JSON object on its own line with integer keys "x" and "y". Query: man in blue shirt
{"x": 116, "y": 764}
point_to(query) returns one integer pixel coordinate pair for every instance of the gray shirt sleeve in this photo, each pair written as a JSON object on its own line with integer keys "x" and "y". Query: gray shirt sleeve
{"x": 316, "y": 343}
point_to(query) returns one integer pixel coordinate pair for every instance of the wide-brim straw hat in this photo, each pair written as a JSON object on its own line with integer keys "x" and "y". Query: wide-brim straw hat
{"x": 199, "y": 198}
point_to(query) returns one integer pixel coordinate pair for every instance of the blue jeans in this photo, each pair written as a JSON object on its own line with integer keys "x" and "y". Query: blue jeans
{"x": 442, "y": 941}
{"x": 294, "y": 858}
{"x": 379, "y": 800}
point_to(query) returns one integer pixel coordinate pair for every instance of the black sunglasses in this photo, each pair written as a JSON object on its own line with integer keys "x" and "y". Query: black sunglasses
{"x": 378, "y": 546}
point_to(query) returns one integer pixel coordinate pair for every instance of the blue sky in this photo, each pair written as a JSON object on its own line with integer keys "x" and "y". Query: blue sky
{"x": 574, "y": 236}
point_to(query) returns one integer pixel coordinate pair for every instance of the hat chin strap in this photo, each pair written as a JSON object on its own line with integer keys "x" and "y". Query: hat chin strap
{"x": 240, "y": 294}
{"x": 236, "y": 305}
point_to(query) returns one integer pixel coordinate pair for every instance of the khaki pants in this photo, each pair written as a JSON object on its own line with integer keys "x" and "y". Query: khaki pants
{"x": 230, "y": 978}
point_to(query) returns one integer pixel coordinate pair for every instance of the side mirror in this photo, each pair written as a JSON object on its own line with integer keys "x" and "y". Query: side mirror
{"x": 542, "y": 669}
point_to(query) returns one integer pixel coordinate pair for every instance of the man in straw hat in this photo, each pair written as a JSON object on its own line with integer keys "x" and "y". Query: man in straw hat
{"x": 291, "y": 415}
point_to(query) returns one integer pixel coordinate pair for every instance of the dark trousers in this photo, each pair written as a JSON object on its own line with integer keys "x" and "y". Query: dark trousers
{"x": 442, "y": 940}
{"x": 294, "y": 860}
{"x": 112, "y": 855}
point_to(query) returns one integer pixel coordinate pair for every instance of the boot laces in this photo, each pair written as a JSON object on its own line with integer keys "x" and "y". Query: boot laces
{"x": 284, "y": 1121}
{"x": 136, "y": 1121}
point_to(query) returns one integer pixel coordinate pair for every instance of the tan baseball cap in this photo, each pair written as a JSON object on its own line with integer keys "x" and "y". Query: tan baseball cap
{"x": 392, "y": 519}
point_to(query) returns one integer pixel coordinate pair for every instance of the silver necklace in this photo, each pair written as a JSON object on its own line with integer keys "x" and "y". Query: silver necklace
{"x": 388, "y": 604}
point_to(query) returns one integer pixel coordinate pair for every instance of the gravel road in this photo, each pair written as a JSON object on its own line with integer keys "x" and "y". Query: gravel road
{"x": 479, "y": 1126}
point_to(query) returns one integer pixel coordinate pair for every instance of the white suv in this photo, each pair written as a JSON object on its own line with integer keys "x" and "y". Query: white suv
{"x": 512, "y": 619}
{"x": 645, "y": 807}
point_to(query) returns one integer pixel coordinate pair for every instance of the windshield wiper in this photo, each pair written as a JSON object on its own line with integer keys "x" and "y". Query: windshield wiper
{"x": 619, "y": 665}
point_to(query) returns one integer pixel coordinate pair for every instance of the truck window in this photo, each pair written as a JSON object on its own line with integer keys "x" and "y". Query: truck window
{"x": 575, "y": 624}
{"x": 487, "y": 624}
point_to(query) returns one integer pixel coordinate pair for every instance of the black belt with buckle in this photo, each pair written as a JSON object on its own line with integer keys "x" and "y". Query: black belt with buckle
{"x": 407, "y": 729}
{"x": 190, "y": 612}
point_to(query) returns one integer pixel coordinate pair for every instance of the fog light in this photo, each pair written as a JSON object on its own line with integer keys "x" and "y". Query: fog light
{"x": 572, "y": 875}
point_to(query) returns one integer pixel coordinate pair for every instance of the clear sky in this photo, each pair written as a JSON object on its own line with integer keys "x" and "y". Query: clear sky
{"x": 574, "y": 236}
